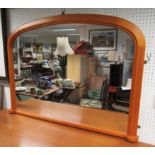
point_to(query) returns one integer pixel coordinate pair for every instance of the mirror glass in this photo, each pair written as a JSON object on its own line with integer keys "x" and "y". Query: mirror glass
{"x": 78, "y": 73}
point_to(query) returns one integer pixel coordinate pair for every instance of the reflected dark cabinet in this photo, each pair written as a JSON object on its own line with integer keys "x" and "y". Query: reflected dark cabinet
{"x": 116, "y": 74}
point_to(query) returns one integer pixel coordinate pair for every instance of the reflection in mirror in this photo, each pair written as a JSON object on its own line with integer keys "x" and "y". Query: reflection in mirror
{"x": 69, "y": 69}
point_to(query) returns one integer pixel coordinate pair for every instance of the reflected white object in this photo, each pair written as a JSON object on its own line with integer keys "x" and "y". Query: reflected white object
{"x": 20, "y": 88}
{"x": 34, "y": 55}
{"x": 128, "y": 85}
{"x": 45, "y": 65}
{"x": 61, "y": 30}
{"x": 63, "y": 47}
{"x": 118, "y": 107}
{"x": 115, "y": 56}
{"x": 129, "y": 82}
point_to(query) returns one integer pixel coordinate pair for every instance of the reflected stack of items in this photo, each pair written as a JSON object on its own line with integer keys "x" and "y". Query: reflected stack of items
{"x": 83, "y": 47}
{"x": 69, "y": 84}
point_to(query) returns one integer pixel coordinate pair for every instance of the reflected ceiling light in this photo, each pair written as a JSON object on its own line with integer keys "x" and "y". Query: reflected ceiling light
{"x": 61, "y": 30}
{"x": 63, "y": 48}
{"x": 31, "y": 35}
{"x": 73, "y": 34}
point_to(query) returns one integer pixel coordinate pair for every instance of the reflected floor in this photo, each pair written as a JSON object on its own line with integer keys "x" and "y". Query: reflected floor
{"x": 104, "y": 121}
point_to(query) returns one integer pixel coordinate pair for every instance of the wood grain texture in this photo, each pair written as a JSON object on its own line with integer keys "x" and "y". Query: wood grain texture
{"x": 17, "y": 130}
{"x": 114, "y": 123}
{"x": 117, "y": 22}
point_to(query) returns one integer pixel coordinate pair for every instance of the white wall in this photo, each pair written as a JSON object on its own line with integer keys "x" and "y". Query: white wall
{"x": 40, "y": 39}
{"x": 46, "y": 39}
{"x": 145, "y": 19}
{"x": 2, "y": 61}
{"x": 6, "y": 99}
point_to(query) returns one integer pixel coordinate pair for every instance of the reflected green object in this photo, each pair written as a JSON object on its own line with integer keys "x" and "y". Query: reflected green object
{"x": 94, "y": 94}
{"x": 91, "y": 103}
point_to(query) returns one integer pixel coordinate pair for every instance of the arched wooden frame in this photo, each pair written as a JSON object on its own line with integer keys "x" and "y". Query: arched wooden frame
{"x": 117, "y": 22}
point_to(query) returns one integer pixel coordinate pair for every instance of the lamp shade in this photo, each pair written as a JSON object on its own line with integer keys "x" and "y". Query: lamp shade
{"x": 63, "y": 48}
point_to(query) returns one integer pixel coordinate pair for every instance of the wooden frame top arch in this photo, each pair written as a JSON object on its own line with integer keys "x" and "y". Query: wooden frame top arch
{"x": 117, "y": 22}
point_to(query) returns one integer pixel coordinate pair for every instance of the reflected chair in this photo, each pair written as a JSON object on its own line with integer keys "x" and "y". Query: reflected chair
{"x": 122, "y": 101}
{"x": 93, "y": 101}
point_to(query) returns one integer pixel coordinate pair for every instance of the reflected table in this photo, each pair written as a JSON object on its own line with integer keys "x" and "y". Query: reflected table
{"x": 48, "y": 92}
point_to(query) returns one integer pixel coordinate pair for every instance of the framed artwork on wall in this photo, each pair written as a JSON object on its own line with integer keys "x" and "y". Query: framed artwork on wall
{"x": 103, "y": 40}
{"x": 38, "y": 47}
{"x": 4, "y": 76}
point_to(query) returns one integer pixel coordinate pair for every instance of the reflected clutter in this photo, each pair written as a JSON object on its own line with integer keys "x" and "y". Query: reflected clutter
{"x": 63, "y": 63}
{"x": 77, "y": 65}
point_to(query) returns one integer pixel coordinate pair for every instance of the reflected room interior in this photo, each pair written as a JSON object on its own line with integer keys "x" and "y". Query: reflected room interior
{"x": 81, "y": 68}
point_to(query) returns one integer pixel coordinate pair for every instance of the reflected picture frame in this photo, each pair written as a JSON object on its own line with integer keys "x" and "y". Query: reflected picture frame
{"x": 37, "y": 47}
{"x": 104, "y": 39}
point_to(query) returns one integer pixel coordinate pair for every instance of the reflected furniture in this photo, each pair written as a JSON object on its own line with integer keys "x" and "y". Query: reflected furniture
{"x": 80, "y": 67}
{"x": 118, "y": 99}
{"x": 75, "y": 96}
{"x": 96, "y": 81}
{"x": 116, "y": 74}
{"x": 112, "y": 90}
{"x": 47, "y": 92}
{"x": 76, "y": 68}
{"x": 64, "y": 92}
{"x": 122, "y": 100}
{"x": 93, "y": 101}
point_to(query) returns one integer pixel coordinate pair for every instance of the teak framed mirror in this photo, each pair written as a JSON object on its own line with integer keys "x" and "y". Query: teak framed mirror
{"x": 137, "y": 71}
